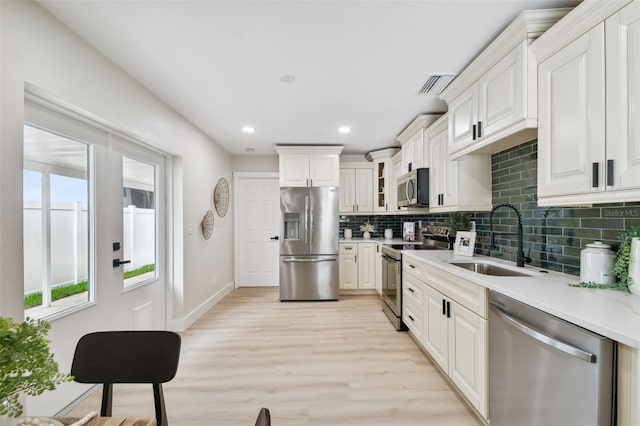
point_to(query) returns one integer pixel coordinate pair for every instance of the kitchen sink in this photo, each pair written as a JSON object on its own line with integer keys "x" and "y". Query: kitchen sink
{"x": 489, "y": 269}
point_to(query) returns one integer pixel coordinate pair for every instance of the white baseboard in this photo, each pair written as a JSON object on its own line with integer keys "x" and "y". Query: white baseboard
{"x": 182, "y": 324}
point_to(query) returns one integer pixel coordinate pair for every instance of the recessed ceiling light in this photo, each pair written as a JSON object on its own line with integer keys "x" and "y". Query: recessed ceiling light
{"x": 344, "y": 129}
{"x": 250, "y": 149}
{"x": 248, "y": 129}
{"x": 287, "y": 78}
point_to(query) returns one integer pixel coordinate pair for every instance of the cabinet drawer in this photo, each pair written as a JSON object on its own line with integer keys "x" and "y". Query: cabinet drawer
{"x": 348, "y": 248}
{"x": 412, "y": 290}
{"x": 412, "y": 317}
{"x": 413, "y": 268}
{"x": 466, "y": 293}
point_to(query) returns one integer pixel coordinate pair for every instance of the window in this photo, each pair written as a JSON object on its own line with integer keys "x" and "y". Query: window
{"x": 139, "y": 221}
{"x": 56, "y": 211}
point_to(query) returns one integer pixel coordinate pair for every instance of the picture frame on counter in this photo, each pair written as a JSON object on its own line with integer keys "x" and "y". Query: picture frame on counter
{"x": 465, "y": 243}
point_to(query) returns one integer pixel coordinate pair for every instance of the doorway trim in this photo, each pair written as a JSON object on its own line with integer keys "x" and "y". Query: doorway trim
{"x": 237, "y": 176}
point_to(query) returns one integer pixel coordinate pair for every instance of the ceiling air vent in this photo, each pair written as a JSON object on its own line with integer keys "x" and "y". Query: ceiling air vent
{"x": 435, "y": 84}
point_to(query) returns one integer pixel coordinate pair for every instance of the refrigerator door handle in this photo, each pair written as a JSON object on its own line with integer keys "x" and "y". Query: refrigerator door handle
{"x": 306, "y": 219}
{"x": 309, "y": 260}
{"x": 311, "y": 226}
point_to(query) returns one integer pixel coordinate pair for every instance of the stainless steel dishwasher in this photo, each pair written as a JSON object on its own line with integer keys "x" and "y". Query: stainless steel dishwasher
{"x": 546, "y": 371}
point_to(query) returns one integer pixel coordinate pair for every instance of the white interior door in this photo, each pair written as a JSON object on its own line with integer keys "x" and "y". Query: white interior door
{"x": 257, "y": 230}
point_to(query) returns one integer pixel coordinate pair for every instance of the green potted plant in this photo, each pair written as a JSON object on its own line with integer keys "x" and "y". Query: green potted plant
{"x": 456, "y": 222}
{"x": 26, "y": 363}
{"x": 621, "y": 265}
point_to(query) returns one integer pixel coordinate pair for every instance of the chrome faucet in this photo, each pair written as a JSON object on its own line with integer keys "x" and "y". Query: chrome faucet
{"x": 521, "y": 258}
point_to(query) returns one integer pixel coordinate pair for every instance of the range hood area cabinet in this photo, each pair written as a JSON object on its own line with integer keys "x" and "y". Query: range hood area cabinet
{"x": 589, "y": 106}
{"x": 412, "y": 142}
{"x": 303, "y": 166}
{"x": 456, "y": 185}
{"x": 493, "y": 102}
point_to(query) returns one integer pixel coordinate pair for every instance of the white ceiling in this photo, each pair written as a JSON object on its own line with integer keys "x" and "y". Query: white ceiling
{"x": 356, "y": 63}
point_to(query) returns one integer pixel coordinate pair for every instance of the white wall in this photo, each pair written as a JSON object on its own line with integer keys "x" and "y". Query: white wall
{"x": 37, "y": 49}
{"x": 255, "y": 163}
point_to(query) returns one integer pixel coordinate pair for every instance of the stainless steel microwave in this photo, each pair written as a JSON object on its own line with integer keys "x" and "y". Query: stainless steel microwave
{"x": 413, "y": 188}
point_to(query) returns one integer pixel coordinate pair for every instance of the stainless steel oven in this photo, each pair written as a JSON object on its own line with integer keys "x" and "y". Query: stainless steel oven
{"x": 434, "y": 239}
{"x": 392, "y": 286}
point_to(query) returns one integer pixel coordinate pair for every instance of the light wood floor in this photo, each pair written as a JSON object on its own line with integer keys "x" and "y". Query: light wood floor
{"x": 311, "y": 363}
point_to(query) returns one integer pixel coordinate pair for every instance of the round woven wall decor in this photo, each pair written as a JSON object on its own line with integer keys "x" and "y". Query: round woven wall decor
{"x": 221, "y": 197}
{"x": 207, "y": 225}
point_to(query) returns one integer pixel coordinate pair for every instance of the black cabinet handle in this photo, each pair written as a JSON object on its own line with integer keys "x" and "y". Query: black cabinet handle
{"x": 448, "y": 309}
{"x": 479, "y": 129}
{"x": 410, "y": 317}
{"x": 609, "y": 172}
{"x": 118, "y": 262}
{"x": 595, "y": 175}
{"x": 474, "y": 132}
{"x": 444, "y": 307}
{"x": 411, "y": 290}
{"x": 411, "y": 266}
{"x": 275, "y": 238}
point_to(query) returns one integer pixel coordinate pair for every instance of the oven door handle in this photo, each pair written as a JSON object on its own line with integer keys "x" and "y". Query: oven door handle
{"x": 389, "y": 258}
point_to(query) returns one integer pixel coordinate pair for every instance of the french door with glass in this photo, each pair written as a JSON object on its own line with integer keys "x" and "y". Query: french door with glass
{"x": 94, "y": 224}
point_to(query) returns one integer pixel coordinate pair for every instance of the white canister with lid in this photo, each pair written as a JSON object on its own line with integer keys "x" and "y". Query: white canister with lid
{"x": 347, "y": 234}
{"x": 596, "y": 263}
{"x": 388, "y": 233}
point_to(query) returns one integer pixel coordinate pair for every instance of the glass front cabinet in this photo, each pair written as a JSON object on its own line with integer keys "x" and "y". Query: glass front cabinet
{"x": 383, "y": 180}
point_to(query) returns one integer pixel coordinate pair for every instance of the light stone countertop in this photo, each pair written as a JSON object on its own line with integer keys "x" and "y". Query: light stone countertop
{"x": 611, "y": 313}
{"x": 380, "y": 240}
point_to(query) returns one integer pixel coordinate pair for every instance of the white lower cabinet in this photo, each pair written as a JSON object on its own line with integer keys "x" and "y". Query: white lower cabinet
{"x": 357, "y": 264}
{"x": 367, "y": 265}
{"x": 436, "y": 327}
{"x": 467, "y": 333}
{"x": 348, "y": 265}
{"x": 447, "y": 316}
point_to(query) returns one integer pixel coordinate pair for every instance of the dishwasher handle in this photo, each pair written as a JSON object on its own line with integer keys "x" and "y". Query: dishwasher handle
{"x": 544, "y": 338}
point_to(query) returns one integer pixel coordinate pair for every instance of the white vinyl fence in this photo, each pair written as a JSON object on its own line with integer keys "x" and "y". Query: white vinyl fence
{"x": 69, "y": 251}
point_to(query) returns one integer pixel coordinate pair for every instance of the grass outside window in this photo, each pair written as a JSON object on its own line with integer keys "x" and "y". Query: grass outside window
{"x": 35, "y": 299}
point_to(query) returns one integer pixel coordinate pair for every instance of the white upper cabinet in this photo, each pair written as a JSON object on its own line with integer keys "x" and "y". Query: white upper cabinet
{"x": 501, "y": 93}
{"x": 492, "y": 103}
{"x": 324, "y": 169}
{"x": 589, "y": 92}
{"x": 572, "y": 123}
{"x": 456, "y": 185}
{"x": 309, "y": 165}
{"x": 623, "y": 98}
{"x": 294, "y": 169}
{"x": 463, "y": 113}
{"x": 356, "y": 188}
{"x": 413, "y": 143}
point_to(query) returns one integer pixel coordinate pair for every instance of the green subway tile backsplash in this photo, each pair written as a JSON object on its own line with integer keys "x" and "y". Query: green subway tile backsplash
{"x": 553, "y": 236}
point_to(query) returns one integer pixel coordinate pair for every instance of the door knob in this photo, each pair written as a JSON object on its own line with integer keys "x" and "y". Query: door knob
{"x": 118, "y": 262}
{"x": 275, "y": 238}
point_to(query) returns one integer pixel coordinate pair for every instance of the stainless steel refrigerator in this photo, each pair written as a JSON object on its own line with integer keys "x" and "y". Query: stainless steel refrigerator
{"x": 309, "y": 243}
